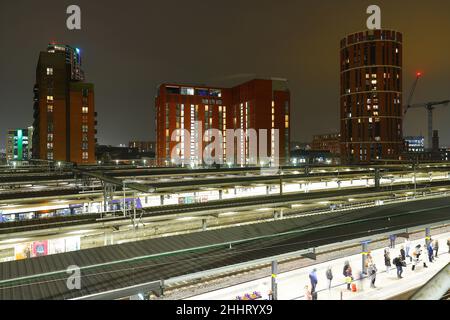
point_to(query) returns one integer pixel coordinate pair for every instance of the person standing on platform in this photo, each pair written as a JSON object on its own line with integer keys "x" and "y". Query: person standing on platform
{"x": 392, "y": 238}
{"x": 430, "y": 251}
{"x": 398, "y": 262}
{"x": 436, "y": 247}
{"x": 344, "y": 271}
{"x": 407, "y": 249}
{"x": 313, "y": 279}
{"x": 372, "y": 275}
{"x": 308, "y": 295}
{"x": 348, "y": 274}
{"x": 329, "y": 275}
{"x": 416, "y": 257}
{"x": 369, "y": 260}
{"x": 403, "y": 253}
{"x": 387, "y": 260}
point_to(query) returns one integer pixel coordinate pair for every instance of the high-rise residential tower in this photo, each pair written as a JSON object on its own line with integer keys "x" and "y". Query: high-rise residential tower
{"x": 64, "y": 109}
{"x": 257, "y": 104}
{"x": 371, "y": 96}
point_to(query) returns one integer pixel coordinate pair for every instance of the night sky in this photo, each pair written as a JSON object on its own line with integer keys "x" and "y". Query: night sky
{"x": 129, "y": 47}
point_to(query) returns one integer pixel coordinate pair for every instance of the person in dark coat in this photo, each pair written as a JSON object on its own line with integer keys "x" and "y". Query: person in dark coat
{"x": 329, "y": 275}
{"x": 387, "y": 260}
{"x": 399, "y": 262}
{"x": 403, "y": 253}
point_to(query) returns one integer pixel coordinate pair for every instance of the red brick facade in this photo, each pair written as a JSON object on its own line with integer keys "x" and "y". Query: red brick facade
{"x": 245, "y": 106}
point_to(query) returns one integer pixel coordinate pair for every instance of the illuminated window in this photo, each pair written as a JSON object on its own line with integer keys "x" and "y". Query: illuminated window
{"x": 84, "y": 128}
{"x": 50, "y": 108}
{"x": 215, "y": 93}
{"x": 187, "y": 91}
{"x": 85, "y": 155}
{"x": 49, "y": 71}
{"x": 50, "y": 137}
{"x": 85, "y": 110}
{"x": 49, "y": 155}
{"x": 50, "y": 98}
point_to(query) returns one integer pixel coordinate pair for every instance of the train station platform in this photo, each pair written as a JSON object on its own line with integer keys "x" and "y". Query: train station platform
{"x": 291, "y": 285}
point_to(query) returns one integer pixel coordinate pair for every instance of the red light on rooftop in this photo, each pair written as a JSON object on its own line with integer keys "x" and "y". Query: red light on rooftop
{"x": 419, "y": 74}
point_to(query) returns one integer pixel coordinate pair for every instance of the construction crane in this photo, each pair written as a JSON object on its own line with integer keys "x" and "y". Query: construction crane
{"x": 411, "y": 93}
{"x": 430, "y": 106}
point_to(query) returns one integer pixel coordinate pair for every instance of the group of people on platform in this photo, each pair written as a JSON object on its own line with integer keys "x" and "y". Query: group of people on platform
{"x": 399, "y": 261}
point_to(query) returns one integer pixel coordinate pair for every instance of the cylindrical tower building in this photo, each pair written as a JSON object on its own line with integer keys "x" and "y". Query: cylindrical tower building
{"x": 371, "y": 96}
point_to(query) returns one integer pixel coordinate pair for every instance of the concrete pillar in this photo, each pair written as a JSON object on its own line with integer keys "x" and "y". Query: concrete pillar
{"x": 220, "y": 194}
{"x": 427, "y": 236}
{"x": 267, "y": 190}
{"x": 204, "y": 224}
{"x": 274, "y": 280}
{"x": 364, "y": 253}
{"x": 162, "y": 287}
{"x": 377, "y": 178}
{"x": 162, "y": 199}
{"x": 281, "y": 185}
